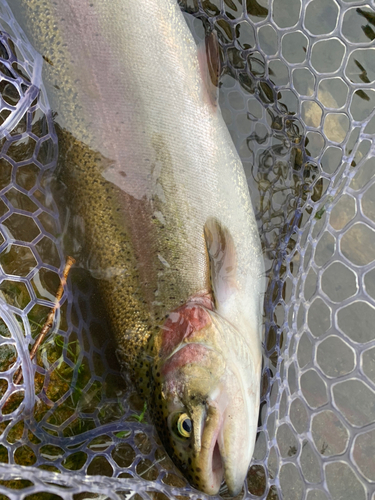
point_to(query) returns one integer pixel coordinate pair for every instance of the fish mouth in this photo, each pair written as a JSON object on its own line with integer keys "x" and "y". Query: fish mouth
{"x": 217, "y": 463}
{"x": 220, "y": 471}
{"x": 217, "y": 469}
{"x": 215, "y": 460}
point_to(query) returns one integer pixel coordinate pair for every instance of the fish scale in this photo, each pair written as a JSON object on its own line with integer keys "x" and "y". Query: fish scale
{"x": 117, "y": 269}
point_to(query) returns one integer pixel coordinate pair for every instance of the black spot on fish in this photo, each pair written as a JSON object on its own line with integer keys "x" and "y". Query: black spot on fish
{"x": 48, "y": 60}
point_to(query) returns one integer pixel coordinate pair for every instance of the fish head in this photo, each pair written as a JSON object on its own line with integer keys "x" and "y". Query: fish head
{"x": 200, "y": 402}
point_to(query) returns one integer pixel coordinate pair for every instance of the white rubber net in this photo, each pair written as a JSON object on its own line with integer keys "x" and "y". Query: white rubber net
{"x": 297, "y": 93}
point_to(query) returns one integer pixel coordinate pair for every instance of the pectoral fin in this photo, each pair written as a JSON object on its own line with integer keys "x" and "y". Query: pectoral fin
{"x": 223, "y": 260}
{"x": 210, "y": 65}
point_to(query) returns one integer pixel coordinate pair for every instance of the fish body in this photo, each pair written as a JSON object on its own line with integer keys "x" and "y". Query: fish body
{"x": 167, "y": 215}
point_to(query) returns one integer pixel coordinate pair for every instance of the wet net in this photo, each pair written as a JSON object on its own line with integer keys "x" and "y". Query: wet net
{"x": 297, "y": 93}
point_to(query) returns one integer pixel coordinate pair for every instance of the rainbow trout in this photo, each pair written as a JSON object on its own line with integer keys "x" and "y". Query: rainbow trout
{"x": 164, "y": 201}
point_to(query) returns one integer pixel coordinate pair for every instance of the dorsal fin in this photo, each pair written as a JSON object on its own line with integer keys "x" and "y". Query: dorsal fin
{"x": 223, "y": 260}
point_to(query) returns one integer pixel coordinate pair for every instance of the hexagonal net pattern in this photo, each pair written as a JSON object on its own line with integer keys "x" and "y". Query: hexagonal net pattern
{"x": 297, "y": 93}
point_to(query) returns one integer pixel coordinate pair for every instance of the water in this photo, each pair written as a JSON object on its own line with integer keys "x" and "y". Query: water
{"x": 297, "y": 94}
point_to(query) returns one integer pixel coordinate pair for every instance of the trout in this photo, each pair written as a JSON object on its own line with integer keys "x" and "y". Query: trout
{"x": 167, "y": 216}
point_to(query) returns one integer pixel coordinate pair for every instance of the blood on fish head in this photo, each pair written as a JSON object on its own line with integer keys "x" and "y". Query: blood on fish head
{"x": 198, "y": 403}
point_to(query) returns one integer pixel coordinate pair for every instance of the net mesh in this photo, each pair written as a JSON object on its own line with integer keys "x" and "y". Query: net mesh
{"x": 297, "y": 93}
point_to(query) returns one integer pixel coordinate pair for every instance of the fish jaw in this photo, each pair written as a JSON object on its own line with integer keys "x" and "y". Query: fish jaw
{"x": 228, "y": 438}
{"x": 199, "y": 377}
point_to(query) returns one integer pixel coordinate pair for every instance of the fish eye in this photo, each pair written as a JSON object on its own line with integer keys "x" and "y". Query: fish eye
{"x": 184, "y": 425}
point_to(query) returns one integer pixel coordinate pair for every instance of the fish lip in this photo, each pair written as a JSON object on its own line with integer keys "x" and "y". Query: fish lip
{"x": 215, "y": 475}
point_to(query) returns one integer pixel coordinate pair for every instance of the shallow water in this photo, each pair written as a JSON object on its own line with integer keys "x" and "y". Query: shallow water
{"x": 297, "y": 93}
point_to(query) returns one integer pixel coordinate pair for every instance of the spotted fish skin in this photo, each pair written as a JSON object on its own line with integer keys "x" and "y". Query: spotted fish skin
{"x": 153, "y": 173}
